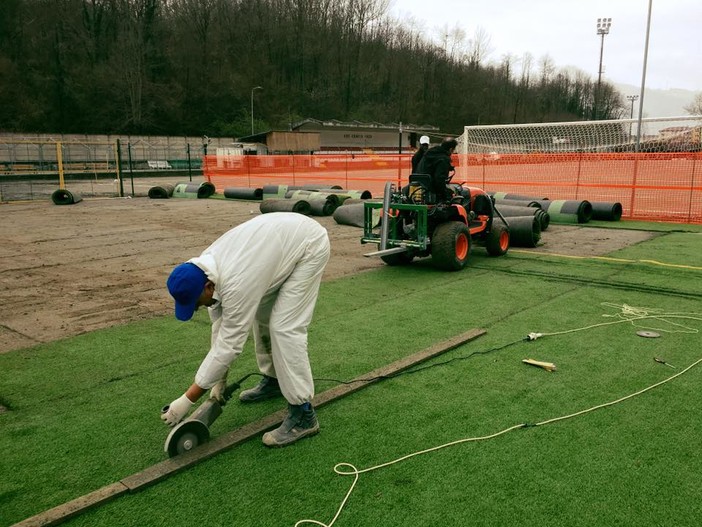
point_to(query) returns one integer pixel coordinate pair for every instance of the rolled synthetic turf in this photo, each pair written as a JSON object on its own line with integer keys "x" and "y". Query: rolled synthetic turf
{"x": 519, "y": 197}
{"x": 568, "y": 211}
{"x": 285, "y": 205}
{"x": 65, "y": 197}
{"x": 542, "y": 216}
{"x": 524, "y": 231}
{"x": 161, "y": 191}
{"x": 194, "y": 190}
{"x": 353, "y": 215}
{"x": 518, "y": 203}
{"x": 243, "y": 193}
{"x": 606, "y": 211}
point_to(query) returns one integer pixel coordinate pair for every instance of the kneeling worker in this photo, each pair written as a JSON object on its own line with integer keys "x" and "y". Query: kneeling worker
{"x": 263, "y": 274}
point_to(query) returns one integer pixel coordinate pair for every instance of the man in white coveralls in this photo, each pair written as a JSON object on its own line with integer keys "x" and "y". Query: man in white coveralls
{"x": 263, "y": 274}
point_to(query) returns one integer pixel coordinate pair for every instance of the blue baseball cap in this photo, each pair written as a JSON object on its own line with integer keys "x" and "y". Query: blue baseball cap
{"x": 186, "y": 283}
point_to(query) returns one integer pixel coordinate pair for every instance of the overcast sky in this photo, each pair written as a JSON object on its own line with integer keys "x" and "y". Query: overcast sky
{"x": 566, "y": 30}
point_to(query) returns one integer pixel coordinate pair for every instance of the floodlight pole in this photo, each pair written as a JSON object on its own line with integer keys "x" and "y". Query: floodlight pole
{"x": 252, "y": 113}
{"x": 603, "y": 25}
{"x": 643, "y": 77}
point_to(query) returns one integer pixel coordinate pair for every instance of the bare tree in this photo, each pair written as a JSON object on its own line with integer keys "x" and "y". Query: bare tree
{"x": 479, "y": 47}
{"x": 695, "y": 107}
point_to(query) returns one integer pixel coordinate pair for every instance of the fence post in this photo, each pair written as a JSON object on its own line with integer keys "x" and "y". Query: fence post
{"x": 59, "y": 163}
{"x": 248, "y": 169}
{"x": 131, "y": 171}
{"x": 190, "y": 167}
{"x": 119, "y": 167}
{"x": 633, "y": 183}
{"x": 692, "y": 187}
{"x": 577, "y": 181}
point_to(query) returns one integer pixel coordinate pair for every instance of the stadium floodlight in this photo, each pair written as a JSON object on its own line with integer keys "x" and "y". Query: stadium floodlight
{"x": 603, "y": 25}
{"x": 252, "y": 114}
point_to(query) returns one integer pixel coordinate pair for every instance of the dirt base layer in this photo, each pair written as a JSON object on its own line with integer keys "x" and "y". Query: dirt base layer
{"x": 102, "y": 262}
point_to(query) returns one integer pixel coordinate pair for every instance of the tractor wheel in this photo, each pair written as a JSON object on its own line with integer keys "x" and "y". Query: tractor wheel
{"x": 497, "y": 240}
{"x": 397, "y": 259}
{"x": 450, "y": 246}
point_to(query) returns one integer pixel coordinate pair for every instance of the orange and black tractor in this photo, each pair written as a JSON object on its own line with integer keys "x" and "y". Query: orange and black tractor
{"x": 415, "y": 223}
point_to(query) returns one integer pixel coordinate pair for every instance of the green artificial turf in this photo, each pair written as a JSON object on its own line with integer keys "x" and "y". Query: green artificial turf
{"x": 84, "y": 412}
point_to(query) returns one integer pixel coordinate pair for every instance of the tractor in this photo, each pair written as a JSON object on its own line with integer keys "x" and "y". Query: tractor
{"x": 415, "y": 223}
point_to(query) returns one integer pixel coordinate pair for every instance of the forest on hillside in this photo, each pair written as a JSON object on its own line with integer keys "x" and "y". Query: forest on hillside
{"x": 189, "y": 67}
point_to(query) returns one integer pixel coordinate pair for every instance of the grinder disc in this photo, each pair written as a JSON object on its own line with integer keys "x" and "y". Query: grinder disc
{"x": 186, "y": 436}
{"x": 648, "y": 334}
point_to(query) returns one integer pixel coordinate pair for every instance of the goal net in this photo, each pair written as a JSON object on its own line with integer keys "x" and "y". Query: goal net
{"x": 662, "y": 134}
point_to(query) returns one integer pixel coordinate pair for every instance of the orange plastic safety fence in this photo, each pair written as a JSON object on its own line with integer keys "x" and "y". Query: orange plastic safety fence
{"x": 650, "y": 186}
{"x": 350, "y": 171}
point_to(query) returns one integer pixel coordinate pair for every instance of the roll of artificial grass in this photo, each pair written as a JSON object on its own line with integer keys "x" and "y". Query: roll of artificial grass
{"x": 273, "y": 191}
{"x": 285, "y": 205}
{"x": 524, "y": 231}
{"x": 509, "y": 211}
{"x": 194, "y": 190}
{"x": 568, "y": 211}
{"x": 343, "y": 195}
{"x": 518, "y": 197}
{"x": 356, "y": 194}
{"x": 321, "y": 207}
{"x": 353, "y": 215}
{"x": 319, "y": 188}
{"x": 65, "y": 197}
{"x": 280, "y": 191}
{"x": 351, "y": 201}
{"x": 243, "y": 193}
{"x": 161, "y": 191}
{"x": 518, "y": 203}
{"x": 313, "y": 195}
{"x": 277, "y": 191}
{"x": 321, "y": 203}
{"x": 606, "y": 211}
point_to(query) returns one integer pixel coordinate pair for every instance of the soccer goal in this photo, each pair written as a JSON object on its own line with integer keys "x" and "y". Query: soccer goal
{"x": 654, "y": 174}
{"x": 661, "y": 134}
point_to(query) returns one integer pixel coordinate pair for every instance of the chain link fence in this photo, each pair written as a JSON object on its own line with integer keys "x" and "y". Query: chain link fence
{"x": 34, "y": 166}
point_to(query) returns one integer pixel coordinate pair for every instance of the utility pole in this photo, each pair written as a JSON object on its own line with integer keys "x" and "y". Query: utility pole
{"x": 603, "y": 25}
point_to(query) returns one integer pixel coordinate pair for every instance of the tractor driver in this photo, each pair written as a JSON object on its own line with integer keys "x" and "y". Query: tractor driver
{"x": 263, "y": 275}
{"x": 419, "y": 154}
{"x": 437, "y": 163}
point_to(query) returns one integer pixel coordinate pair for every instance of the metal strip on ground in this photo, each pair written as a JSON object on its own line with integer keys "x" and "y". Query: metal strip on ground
{"x": 170, "y": 466}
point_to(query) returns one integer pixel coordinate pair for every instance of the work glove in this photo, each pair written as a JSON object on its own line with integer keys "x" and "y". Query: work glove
{"x": 175, "y": 411}
{"x": 217, "y": 391}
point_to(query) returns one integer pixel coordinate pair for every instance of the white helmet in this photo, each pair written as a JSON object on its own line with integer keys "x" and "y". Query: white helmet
{"x": 424, "y": 140}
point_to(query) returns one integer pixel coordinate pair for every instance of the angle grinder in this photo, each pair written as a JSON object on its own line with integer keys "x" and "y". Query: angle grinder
{"x": 195, "y": 430}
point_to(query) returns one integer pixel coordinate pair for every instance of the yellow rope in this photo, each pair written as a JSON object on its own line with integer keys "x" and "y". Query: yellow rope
{"x": 610, "y": 259}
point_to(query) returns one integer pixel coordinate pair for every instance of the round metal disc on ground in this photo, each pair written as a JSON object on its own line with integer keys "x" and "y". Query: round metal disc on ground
{"x": 186, "y": 436}
{"x": 648, "y": 334}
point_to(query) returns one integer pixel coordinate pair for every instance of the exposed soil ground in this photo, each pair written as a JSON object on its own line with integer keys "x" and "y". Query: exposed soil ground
{"x": 70, "y": 269}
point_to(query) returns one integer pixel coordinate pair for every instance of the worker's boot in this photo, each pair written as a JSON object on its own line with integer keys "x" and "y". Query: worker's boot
{"x": 300, "y": 422}
{"x": 267, "y": 388}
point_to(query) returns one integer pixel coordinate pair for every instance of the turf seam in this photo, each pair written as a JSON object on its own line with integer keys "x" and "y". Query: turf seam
{"x": 159, "y": 471}
{"x": 603, "y": 283}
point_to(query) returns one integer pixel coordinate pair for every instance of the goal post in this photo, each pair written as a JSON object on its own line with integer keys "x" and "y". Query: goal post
{"x": 656, "y": 174}
{"x": 660, "y": 134}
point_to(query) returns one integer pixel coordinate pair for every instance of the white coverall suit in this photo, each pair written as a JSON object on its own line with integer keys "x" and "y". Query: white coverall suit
{"x": 267, "y": 273}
